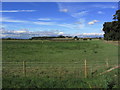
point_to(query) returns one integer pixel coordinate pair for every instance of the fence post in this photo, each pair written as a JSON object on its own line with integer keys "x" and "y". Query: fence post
{"x": 85, "y": 71}
{"x": 107, "y": 64}
{"x": 24, "y": 68}
{"x": 91, "y": 69}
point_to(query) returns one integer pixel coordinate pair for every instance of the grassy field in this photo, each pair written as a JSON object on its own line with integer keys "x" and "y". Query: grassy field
{"x": 51, "y": 64}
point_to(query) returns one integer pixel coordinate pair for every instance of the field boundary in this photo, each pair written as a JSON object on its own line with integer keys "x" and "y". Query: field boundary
{"x": 85, "y": 66}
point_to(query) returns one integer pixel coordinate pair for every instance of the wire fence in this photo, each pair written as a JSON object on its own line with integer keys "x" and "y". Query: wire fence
{"x": 76, "y": 69}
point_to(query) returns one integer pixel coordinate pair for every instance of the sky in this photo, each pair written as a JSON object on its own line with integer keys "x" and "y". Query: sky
{"x": 28, "y": 19}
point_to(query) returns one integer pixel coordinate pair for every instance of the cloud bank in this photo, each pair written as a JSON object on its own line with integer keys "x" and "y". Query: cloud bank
{"x": 26, "y": 34}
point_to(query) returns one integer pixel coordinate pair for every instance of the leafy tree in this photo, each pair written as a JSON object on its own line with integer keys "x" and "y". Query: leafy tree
{"x": 75, "y": 37}
{"x": 61, "y": 36}
{"x": 112, "y": 29}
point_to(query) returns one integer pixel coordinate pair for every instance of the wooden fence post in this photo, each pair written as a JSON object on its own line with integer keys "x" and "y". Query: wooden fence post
{"x": 107, "y": 64}
{"x": 24, "y": 68}
{"x": 91, "y": 69}
{"x": 85, "y": 69}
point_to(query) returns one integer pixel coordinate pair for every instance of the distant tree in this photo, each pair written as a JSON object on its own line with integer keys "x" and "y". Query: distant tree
{"x": 90, "y": 39}
{"x": 61, "y": 36}
{"x": 100, "y": 38}
{"x": 112, "y": 29}
{"x": 76, "y": 38}
{"x": 69, "y": 36}
{"x": 9, "y": 38}
{"x": 84, "y": 38}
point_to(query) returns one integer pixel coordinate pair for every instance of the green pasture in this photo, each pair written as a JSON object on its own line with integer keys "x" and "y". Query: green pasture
{"x": 58, "y": 64}
{"x": 47, "y": 51}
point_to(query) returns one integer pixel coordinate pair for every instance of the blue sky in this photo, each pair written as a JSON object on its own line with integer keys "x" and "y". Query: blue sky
{"x": 27, "y": 19}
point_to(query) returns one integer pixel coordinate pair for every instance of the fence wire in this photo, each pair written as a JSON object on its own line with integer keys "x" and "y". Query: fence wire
{"x": 54, "y": 69}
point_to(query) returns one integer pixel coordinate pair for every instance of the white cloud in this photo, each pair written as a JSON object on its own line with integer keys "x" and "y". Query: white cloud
{"x": 7, "y": 19}
{"x": 93, "y": 22}
{"x": 49, "y": 19}
{"x": 24, "y": 33}
{"x": 92, "y": 34}
{"x": 12, "y": 11}
{"x": 66, "y": 25}
{"x": 76, "y": 12}
{"x": 76, "y": 25}
{"x": 71, "y": 26}
{"x": 44, "y": 23}
{"x": 72, "y": 9}
{"x": 89, "y": 34}
{"x": 82, "y": 13}
{"x": 100, "y": 12}
{"x": 14, "y": 31}
{"x": 60, "y": 33}
{"x": 64, "y": 10}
